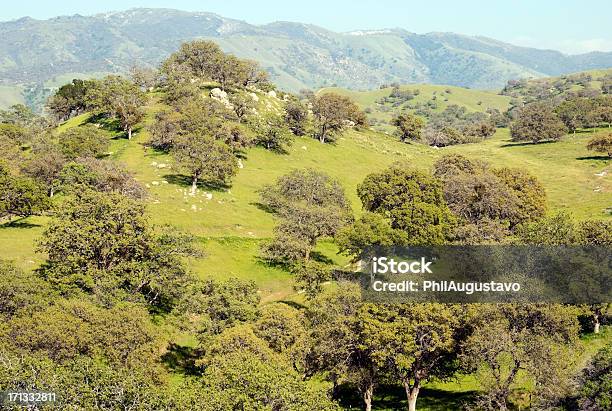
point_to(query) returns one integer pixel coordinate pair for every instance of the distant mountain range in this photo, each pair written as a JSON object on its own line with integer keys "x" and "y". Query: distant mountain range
{"x": 296, "y": 55}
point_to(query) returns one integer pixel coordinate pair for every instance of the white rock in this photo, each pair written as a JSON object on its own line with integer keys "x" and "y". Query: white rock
{"x": 272, "y": 93}
{"x": 254, "y": 96}
{"x": 155, "y": 183}
{"x": 161, "y": 165}
{"x": 304, "y": 148}
{"x": 220, "y": 95}
{"x": 240, "y": 165}
{"x": 209, "y": 196}
{"x": 194, "y": 207}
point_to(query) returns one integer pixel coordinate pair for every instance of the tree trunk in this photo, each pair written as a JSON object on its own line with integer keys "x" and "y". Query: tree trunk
{"x": 367, "y": 397}
{"x": 322, "y": 134}
{"x": 194, "y": 184}
{"x": 129, "y": 130}
{"x": 596, "y": 326}
{"x": 51, "y": 192}
{"x": 412, "y": 392}
{"x": 412, "y": 399}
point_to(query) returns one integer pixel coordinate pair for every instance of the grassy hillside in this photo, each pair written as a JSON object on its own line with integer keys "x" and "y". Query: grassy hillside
{"x": 380, "y": 113}
{"x": 230, "y": 225}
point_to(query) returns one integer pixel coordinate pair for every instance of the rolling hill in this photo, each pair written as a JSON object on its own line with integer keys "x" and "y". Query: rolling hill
{"x": 296, "y": 55}
{"x": 380, "y": 111}
{"x": 230, "y": 226}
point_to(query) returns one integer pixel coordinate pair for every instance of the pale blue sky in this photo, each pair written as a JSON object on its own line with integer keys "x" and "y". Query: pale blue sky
{"x": 568, "y": 25}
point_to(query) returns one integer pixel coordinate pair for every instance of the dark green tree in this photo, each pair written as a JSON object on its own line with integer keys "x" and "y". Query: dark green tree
{"x": 296, "y": 116}
{"x": 205, "y": 160}
{"x": 102, "y": 244}
{"x": 84, "y": 141}
{"x": 536, "y": 122}
{"x": 20, "y": 196}
{"x": 413, "y": 201}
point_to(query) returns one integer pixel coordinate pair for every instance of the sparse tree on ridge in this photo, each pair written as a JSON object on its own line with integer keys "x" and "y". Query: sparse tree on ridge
{"x": 117, "y": 97}
{"x": 205, "y": 61}
{"x": 332, "y": 113}
{"x": 69, "y": 100}
{"x": 242, "y": 105}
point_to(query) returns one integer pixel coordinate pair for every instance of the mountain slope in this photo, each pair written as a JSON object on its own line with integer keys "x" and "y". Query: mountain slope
{"x": 297, "y": 55}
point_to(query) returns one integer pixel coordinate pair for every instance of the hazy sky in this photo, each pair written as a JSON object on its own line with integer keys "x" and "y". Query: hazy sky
{"x": 571, "y": 26}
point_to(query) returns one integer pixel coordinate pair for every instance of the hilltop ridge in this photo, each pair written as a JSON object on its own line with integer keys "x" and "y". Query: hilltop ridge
{"x": 296, "y": 55}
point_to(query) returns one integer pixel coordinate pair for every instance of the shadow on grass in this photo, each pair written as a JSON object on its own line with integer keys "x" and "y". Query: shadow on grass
{"x": 288, "y": 266}
{"x": 292, "y": 304}
{"x": 106, "y": 123}
{"x": 183, "y": 180}
{"x": 18, "y": 223}
{"x": 262, "y": 207}
{"x": 182, "y": 359}
{"x": 393, "y": 397}
{"x": 321, "y": 258}
{"x": 527, "y": 143}
{"x": 600, "y": 158}
{"x": 261, "y": 261}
